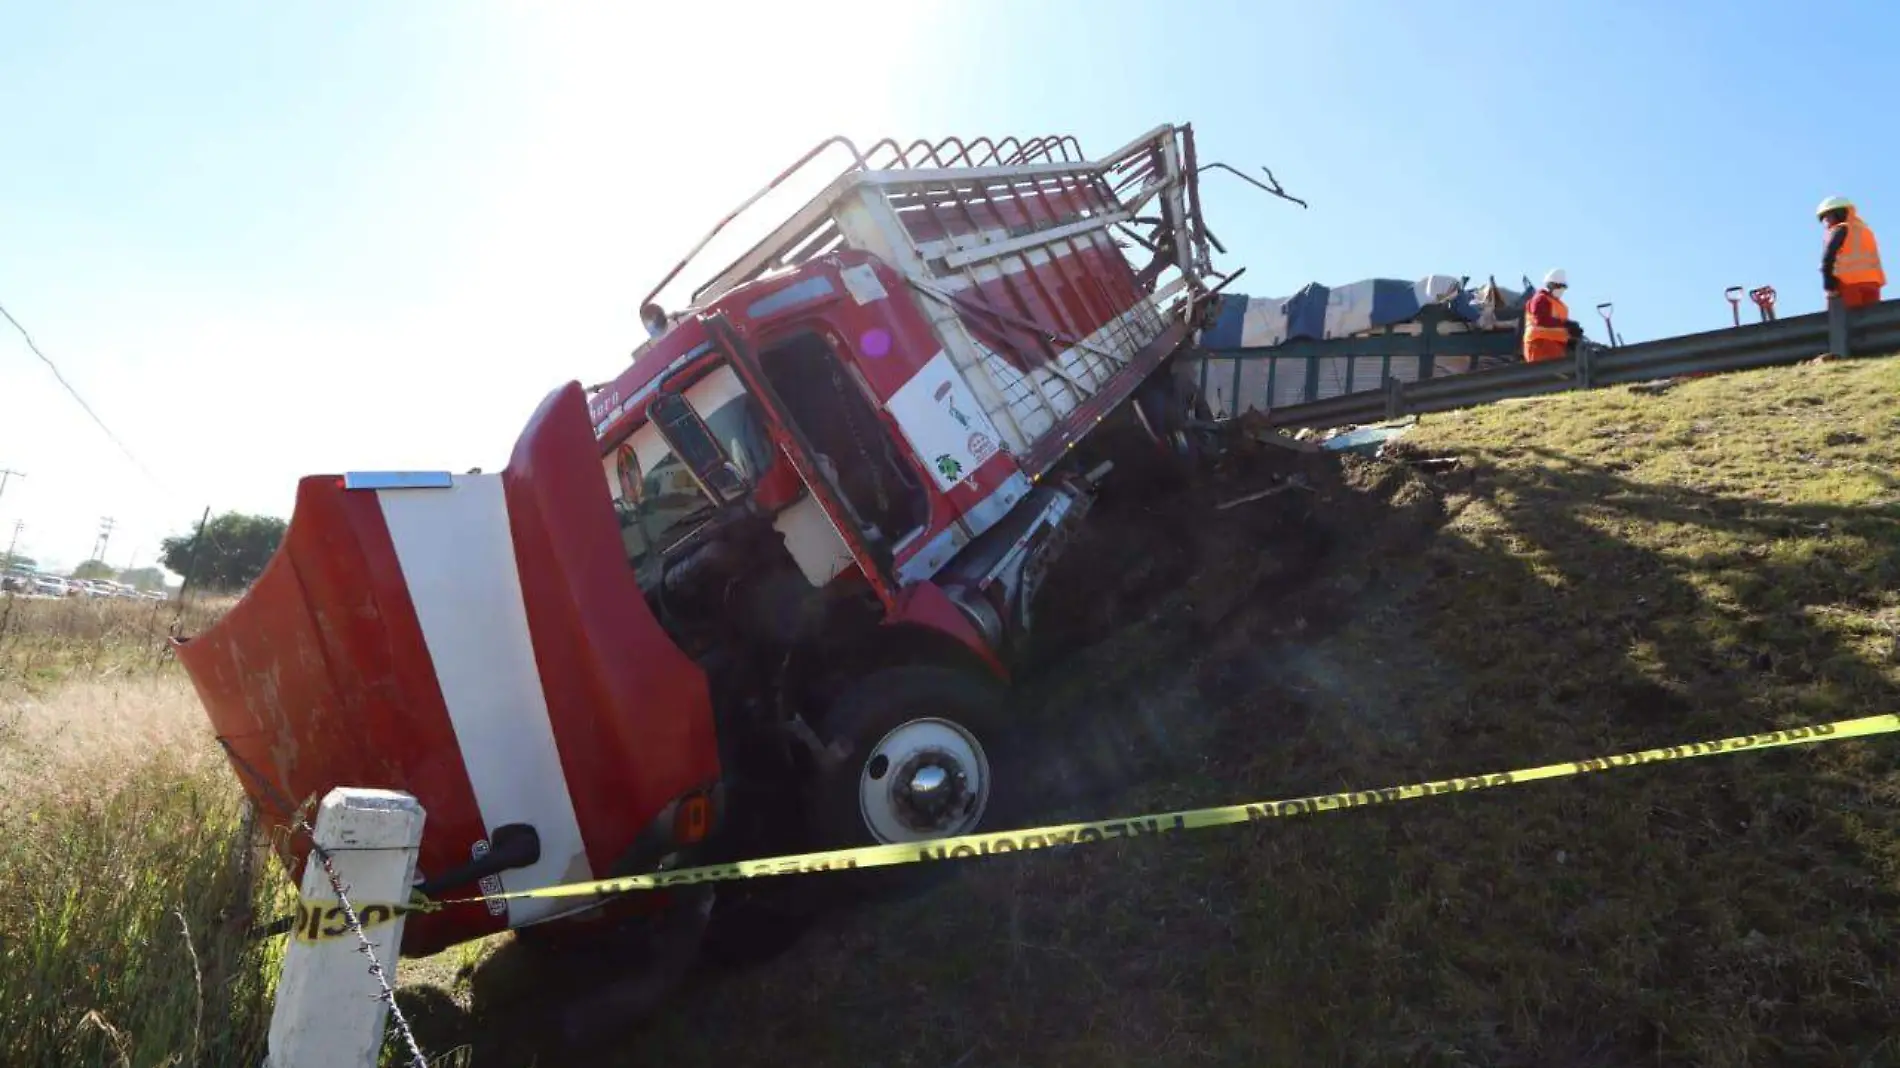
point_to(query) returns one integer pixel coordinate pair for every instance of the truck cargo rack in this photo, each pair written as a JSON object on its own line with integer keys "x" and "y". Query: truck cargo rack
{"x": 1033, "y": 187}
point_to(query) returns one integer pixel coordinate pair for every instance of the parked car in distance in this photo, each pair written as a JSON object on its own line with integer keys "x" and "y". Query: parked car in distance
{"x": 17, "y": 582}
{"x": 52, "y": 586}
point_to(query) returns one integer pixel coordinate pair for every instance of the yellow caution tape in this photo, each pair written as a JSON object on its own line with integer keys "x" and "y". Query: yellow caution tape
{"x": 321, "y": 921}
{"x": 1071, "y": 834}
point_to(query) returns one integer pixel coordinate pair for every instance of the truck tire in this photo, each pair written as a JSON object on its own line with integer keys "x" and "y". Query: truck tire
{"x": 925, "y": 752}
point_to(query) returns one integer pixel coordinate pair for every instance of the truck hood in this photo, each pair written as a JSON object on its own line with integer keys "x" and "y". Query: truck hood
{"x": 479, "y": 641}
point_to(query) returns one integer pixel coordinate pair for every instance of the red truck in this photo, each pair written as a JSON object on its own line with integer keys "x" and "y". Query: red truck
{"x": 757, "y": 594}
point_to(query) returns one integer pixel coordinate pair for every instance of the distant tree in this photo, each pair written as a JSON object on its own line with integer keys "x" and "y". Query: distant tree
{"x": 143, "y": 578}
{"x": 19, "y": 561}
{"x": 93, "y": 569}
{"x": 235, "y": 547}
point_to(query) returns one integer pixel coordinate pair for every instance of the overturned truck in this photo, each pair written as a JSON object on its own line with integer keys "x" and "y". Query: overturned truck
{"x": 758, "y": 593}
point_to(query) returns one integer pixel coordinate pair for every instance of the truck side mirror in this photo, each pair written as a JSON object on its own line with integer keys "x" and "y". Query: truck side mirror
{"x": 693, "y": 442}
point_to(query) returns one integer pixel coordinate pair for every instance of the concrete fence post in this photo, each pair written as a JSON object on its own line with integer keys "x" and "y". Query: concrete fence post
{"x": 329, "y": 1011}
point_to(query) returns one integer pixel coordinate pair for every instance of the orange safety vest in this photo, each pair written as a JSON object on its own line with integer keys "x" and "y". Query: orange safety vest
{"x": 1557, "y": 337}
{"x": 1858, "y": 261}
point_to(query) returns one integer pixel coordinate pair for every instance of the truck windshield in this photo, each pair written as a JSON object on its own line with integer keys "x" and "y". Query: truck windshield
{"x": 658, "y": 501}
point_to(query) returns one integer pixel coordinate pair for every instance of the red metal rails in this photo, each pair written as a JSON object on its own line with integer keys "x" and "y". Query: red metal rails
{"x": 967, "y": 178}
{"x": 1045, "y": 276}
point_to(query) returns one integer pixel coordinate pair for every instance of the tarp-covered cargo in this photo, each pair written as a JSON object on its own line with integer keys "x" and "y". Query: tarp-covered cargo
{"x": 1320, "y": 312}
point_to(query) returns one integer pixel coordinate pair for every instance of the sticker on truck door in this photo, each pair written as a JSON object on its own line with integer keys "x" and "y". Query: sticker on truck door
{"x": 491, "y": 883}
{"x": 939, "y": 417}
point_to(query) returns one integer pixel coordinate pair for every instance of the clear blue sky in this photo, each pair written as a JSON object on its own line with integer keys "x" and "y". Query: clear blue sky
{"x": 269, "y": 240}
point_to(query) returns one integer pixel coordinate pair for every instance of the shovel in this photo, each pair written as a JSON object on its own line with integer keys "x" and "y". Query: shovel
{"x": 1764, "y": 299}
{"x": 1734, "y": 295}
{"x": 1606, "y": 309}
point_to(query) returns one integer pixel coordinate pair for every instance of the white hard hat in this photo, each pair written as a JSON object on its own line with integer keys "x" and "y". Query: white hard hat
{"x": 1556, "y": 278}
{"x": 1833, "y": 204}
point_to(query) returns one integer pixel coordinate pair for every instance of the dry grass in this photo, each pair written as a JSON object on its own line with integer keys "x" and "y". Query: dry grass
{"x": 1609, "y": 572}
{"x": 122, "y": 856}
{"x": 43, "y": 641}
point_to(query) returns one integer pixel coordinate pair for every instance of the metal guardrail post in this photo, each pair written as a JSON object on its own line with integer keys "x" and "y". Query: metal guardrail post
{"x": 1837, "y": 327}
{"x": 1394, "y": 397}
{"x": 1584, "y": 367}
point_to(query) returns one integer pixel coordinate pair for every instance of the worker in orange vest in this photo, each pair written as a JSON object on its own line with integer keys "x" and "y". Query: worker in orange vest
{"x": 1548, "y": 327}
{"x": 1850, "y": 260}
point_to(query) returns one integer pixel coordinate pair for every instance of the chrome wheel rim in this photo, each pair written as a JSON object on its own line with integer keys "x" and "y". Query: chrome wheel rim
{"x": 926, "y": 778}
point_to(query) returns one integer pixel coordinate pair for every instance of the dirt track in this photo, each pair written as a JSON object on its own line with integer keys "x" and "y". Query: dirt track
{"x": 1171, "y": 599}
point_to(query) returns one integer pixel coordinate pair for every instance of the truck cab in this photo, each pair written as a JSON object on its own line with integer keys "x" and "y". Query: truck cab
{"x": 757, "y": 593}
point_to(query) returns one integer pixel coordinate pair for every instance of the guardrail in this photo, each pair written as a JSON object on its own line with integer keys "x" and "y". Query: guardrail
{"x": 1873, "y": 329}
{"x": 1305, "y": 371}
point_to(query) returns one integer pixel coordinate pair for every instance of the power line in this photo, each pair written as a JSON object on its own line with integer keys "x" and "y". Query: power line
{"x": 68, "y": 386}
{"x": 6, "y": 473}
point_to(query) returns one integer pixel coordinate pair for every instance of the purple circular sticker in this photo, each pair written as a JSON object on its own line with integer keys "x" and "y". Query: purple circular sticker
{"x": 875, "y": 342}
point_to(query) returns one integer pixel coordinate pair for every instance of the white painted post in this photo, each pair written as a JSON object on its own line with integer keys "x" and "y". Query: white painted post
{"x": 330, "y": 1012}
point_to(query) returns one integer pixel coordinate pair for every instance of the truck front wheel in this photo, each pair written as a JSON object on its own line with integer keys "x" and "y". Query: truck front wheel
{"x": 923, "y": 752}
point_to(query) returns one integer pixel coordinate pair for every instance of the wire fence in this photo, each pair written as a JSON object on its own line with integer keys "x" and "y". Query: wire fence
{"x": 44, "y": 640}
{"x": 386, "y": 991}
{"x": 57, "y": 636}
{"x": 294, "y": 817}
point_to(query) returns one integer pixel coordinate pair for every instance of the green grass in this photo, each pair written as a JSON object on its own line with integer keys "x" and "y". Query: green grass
{"x": 127, "y": 872}
{"x": 1597, "y": 573}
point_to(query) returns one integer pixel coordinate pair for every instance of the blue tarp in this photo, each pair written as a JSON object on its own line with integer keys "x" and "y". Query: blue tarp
{"x": 1318, "y": 312}
{"x": 1367, "y": 440}
{"x": 1227, "y": 319}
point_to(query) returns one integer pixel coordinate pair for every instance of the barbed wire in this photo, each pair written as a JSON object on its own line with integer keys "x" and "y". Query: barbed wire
{"x": 294, "y": 815}
{"x": 387, "y": 993}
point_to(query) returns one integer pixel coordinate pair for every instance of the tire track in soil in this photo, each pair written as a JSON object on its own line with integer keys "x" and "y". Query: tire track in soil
{"x": 1173, "y": 633}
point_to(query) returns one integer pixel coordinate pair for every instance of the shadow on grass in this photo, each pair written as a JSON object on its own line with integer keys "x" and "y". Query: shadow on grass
{"x": 1734, "y": 611}
{"x": 1731, "y": 911}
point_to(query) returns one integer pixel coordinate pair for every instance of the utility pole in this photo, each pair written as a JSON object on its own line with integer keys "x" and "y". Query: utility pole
{"x": 18, "y": 525}
{"x": 105, "y": 536}
{"x": 6, "y": 473}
